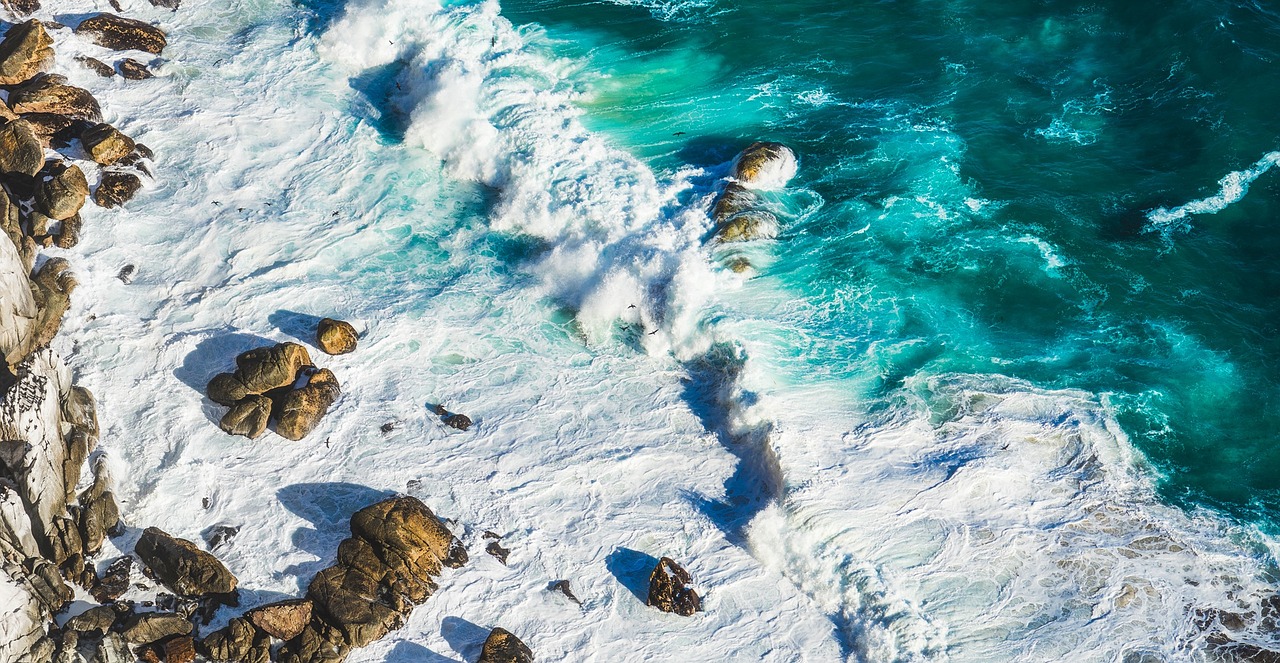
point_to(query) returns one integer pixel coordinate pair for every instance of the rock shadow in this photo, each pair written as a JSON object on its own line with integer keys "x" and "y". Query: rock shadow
{"x": 214, "y": 354}
{"x": 301, "y": 326}
{"x": 382, "y": 91}
{"x": 328, "y": 507}
{"x": 632, "y": 569}
{"x": 707, "y": 151}
{"x": 409, "y": 652}
{"x": 466, "y": 638}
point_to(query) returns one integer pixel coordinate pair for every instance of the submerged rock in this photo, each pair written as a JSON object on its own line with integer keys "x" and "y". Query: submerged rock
{"x": 503, "y": 647}
{"x": 116, "y": 188}
{"x": 134, "y": 70}
{"x": 122, "y": 34}
{"x": 335, "y": 337}
{"x": 182, "y": 567}
{"x": 96, "y": 66}
{"x": 562, "y": 586}
{"x": 27, "y": 49}
{"x": 669, "y": 591}
{"x": 764, "y": 165}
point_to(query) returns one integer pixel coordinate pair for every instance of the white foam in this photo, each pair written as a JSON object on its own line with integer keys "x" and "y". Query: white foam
{"x": 1232, "y": 189}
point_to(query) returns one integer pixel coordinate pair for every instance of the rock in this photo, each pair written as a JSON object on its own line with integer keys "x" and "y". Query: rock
{"x": 122, "y": 34}
{"x": 499, "y": 553}
{"x": 113, "y": 649}
{"x": 181, "y": 566}
{"x": 318, "y": 643}
{"x": 116, "y": 188}
{"x": 219, "y": 535}
{"x": 22, "y": 7}
{"x": 46, "y": 584}
{"x": 62, "y": 190}
{"x": 264, "y": 369}
{"x": 284, "y": 620}
{"x": 27, "y": 49}
{"x": 148, "y": 627}
{"x": 49, "y": 93}
{"x": 167, "y": 4}
{"x": 93, "y": 620}
{"x": 53, "y": 286}
{"x": 115, "y": 580}
{"x": 180, "y": 650}
{"x": 23, "y": 619}
{"x": 99, "y": 512}
{"x": 747, "y": 226}
{"x": 134, "y": 70}
{"x": 68, "y": 234}
{"x": 225, "y": 389}
{"x": 97, "y": 66}
{"x": 562, "y": 586}
{"x": 765, "y": 165}
{"x": 239, "y": 642}
{"x": 126, "y": 274}
{"x": 453, "y": 419}
{"x": 503, "y": 647}
{"x": 34, "y": 450}
{"x": 303, "y": 408}
{"x": 335, "y": 337}
{"x": 668, "y": 590}
{"x": 106, "y": 144}
{"x": 53, "y": 130}
{"x": 20, "y": 150}
{"x": 248, "y": 417}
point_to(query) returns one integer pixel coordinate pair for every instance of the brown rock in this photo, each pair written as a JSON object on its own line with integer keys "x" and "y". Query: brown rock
{"x": 750, "y": 163}
{"x": 303, "y": 408}
{"x": 68, "y": 234}
{"x": 49, "y": 93}
{"x": 499, "y": 553}
{"x": 62, "y": 190}
{"x": 116, "y": 188}
{"x": 98, "y": 66}
{"x": 27, "y": 49}
{"x": 52, "y": 288}
{"x": 134, "y": 70}
{"x": 106, "y": 144}
{"x": 318, "y": 643}
{"x": 115, "y": 581}
{"x": 180, "y": 650}
{"x": 20, "y": 150}
{"x": 93, "y": 620}
{"x": 23, "y": 7}
{"x": 99, "y": 513}
{"x": 54, "y": 130}
{"x": 503, "y": 647}
{"x": 148, "y": 627}
{"x": 284, "y": 620}
{"x": 239, "y": 642}
{"x": 226, "y": 389}
{"x": 263, "y": 369}
{"x": 122, "y": 34}
{"x": 407, "y": 526}
{"x": 746, "y": 227}
{"x": 248, "y": 417}
{"x": 182, "y": 567}
{"x": 335, "y": 337}
{"x": 668, "y": 590}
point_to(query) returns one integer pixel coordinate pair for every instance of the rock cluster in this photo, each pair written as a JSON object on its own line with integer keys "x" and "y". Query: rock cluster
{"x": 739, "y": 214}
{"x": 669, "y": 589}
{"x": 266, "y": 381}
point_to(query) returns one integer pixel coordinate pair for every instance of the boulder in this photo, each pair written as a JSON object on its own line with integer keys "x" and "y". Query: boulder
{"x": 61, "y": 191}
{"x": 182, "y": 567}
{"x": 22, "y": 7}
{"x": 248, "y": 417}
{"x": 116, "y": 188}
{"x": 53, "y": 130}
{"x": 68, "y": 234}
{"x": 503, "y": 647}
{"x": 239, "y": 642}
{"x": 52, "y": 288}
{"x": 453, "y": 419}
{"x": 180, "y": 650}
{"x": 669, "y": 591}
{"x": 49, "y": 93}
{"x": 335, "y": 337}
{"x": 93, "y": 620}
{"x": 106, "y": 144}
{"x": 747, "y": 226}
{"x": 318, "y": 643}
{"x": 27, "y": 49}
{"x": 99, "y": 512}
{"x": 167, "y": 4}
{"x": 20, "y": 149}
{"x": 302, "y": 409}
{"x": 284, "y": 620}
{"x": 96, "y": 66}
{"x": 22, "y": 621}
{"x": 115, "y": 580}
{"x": 148, "y": 627}
{"x": 122, "y": 34}
{"x": 134, "y": 70}
{"x": 113, "y": 649}
{"x": 258, "y": 371}
{"x": 764, "y": 165}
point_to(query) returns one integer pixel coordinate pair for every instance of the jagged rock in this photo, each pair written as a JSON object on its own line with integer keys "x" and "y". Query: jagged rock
{"x": 98, "y": 66}
{"x": 30, "y": 421}
{"x": 20, "y": 150}
{"x": 499, "y": 553}
{"x": 53, "y": 130}
{"x": 764, "y": 165}
{"x": 113, "y": 649}
{"x": 239, "y": 642}
{"x": 562, "y": 586}
{"x": 181, "y": 566}
{"x": 65, "y": 540}
{"x": 99, "y": 512}
{"x": 335, "y": 337}
{"x": 46, "y": 584}
{"x": 147, "y": 627}
{"x": 318, "y": 643}
{"x": 284, "y": 620}
{"x": 43, "y": 650}
{"x": 116, "y": 188}
{"x": 180, "y": 650}
{"x": 106, "y": 144}
{"x": 303, "y": 408}
{"x": 247, "y": 417}
{"x": 93, "y": 620}
{"x": 10, "y": 222}
{"x": 53, "y": 286}
{"x": 122, "y": 34}
{"x": 22, "y": 7}
{"x": 16, "y": 539}
{"x": 259, "y": 371}
{"x": 503, "y": 647}
{"x": 668, "y": 590}
{"x": 27, "y": 49}
{"x": 68, "y": 647}
{"x": 49, "y": 93}
{"x": 22, "y": 620}
{"x": 114, "y": 581}
{"x": 62, "y": 190}
{"x": 134, "y": 70}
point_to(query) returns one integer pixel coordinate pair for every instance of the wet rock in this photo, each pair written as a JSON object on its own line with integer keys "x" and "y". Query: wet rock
{"x": 97, "y": 66}
{"x": 99, "y": 512}
{"x": 303, "y": 408}
{"x": 49, "y": 93}
{"x": 562, "y": 586}
{"x": 68, "y": 234}
{"x": 126, "y": 274}
{"x": 180, "y": 650}
{"x": 335, "y": 337}
{"x": 284, "y": 620}
{"x": 27, "y": 49}
{"x": 23, "y": 7}
{"x": 112, "y": 649}
{"x": 248, "y": 417}
{"x": 61, "y": 191}
{"x": 764, "y": 165}
{"x": 239, "y": 642}
{"x": 115, "y": 580}
{"x": 453, "y": 419}
{"x": 53, "y": 130}
{"x": 219, "y": 535}
{"x": 20, "y": 150}
{"x": 106, "y": 144}
{"x": 147, "y": 627}
{"x": 181, "y": 566}
{"x": 503, "y": 647}
{"x": 134, "y": 70}
{"x": 116, "y": 188}
{"x": 669, "y": 591}
{"x": 122, "y": 34}
{"x": 747, "y": 226}
{"x": 93, "y": 620}
{"x": 499, "y": 553}
{"x": 259, "y": 371}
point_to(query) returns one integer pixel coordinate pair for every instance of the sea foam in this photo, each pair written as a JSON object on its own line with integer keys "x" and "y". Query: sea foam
{"x": 1233, "y": 188}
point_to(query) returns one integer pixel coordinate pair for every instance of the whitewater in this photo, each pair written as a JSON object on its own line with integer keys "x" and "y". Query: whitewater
{"x": 427, "y": 171}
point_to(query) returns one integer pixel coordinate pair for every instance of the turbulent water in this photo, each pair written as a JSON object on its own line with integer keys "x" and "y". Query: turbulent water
{"x": 1001, "y": 388}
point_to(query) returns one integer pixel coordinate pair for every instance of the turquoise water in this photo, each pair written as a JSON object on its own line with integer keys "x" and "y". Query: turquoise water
{"x": 976, "y": 178}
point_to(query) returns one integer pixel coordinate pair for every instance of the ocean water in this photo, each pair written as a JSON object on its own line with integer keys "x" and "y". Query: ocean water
{"x": 1000, "y": 388}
